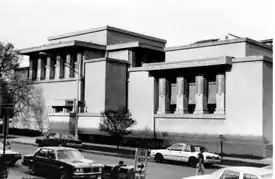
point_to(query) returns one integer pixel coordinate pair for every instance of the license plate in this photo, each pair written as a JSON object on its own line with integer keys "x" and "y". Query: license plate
{"x": 93, "y": 176}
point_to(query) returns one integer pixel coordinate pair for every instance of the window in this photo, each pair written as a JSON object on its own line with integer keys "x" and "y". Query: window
{"x": 73, "y": 64}
{"x": 249, "y": 176}
{"x": 230, "y": 175}
{"x": 69, "y": 154}
{"x": 187, "y": 148}
{"x": 42, "y": 153}
{"x": 197, "y": 148}
{"x": 43, "y": 68}
{"x": 51, "y": 154}
{"x": 34, "y": 69}
{"x": 62, "y": 66}
{"x": 52, "y": 68}
{"x": 176, "y": 147}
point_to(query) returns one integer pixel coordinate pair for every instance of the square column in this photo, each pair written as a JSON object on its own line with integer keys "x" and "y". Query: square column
{"x": 67, "y": 66}
{"x": 201, "y": 95}
{"x": 220, "y": 102}
{"x": 48, "y": 68}
{"x": 182, "y": 95}
{"x": 39, "y": 66}
{"x": 79, "y": 75}
{"x": 164, "y": 96}
{"x": 132, "y": 58}
{"x": 57, "y": 67}
{"x": 31, "y": 69}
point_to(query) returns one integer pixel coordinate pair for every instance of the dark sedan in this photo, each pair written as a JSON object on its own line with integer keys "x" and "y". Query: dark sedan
{"x": 58, "y": 139}
{"x": 62, "y": 162}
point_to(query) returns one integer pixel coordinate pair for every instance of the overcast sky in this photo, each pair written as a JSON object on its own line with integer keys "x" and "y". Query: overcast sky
{"x": 28, "y": 23}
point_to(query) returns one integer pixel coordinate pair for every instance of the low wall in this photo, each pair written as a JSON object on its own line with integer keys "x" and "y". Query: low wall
{"x": 65, "y": 122}
{"x": 242, "y": 146}
{"x": 62, "y": 122}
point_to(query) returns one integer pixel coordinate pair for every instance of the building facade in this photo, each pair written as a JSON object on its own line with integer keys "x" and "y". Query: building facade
{"x": 195, "y": 92}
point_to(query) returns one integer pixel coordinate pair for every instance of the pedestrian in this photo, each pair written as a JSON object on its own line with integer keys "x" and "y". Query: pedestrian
{"x": 200, "y": 164}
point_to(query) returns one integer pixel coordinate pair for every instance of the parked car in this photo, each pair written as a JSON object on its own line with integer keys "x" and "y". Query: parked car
{"x": 11, "y": 157}
{"x": 61, "y": 162}
{"x": 237, "y": 173}
{"x": 184, "y": 153}
{"x": 58, "y": 139}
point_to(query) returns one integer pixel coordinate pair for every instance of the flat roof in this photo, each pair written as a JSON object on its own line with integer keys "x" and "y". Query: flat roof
{"x": 106, "y": 28}
{"x": 224, "y": 60}
{"x": 133, "y": 45}
{"x": 216, "y": 43}
{"x": 62, "y": 45}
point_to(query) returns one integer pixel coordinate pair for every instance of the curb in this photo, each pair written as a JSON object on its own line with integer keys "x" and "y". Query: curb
{"x": 83, "y": 150}
{"x": 24, "y": 143}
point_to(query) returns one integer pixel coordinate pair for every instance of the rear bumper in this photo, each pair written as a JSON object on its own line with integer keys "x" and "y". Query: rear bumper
{"x": 96, "y": 175}
{"x": 212, "y": 161}
{"x": 11, "y": 158}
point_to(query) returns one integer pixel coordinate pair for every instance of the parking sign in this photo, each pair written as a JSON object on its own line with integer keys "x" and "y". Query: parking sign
{"x": 141, "y": 160}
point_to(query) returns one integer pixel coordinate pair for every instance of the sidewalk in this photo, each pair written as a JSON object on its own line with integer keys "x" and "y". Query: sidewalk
{"x": 129, "y": 152}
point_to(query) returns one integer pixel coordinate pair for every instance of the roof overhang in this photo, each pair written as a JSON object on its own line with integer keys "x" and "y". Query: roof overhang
{"x": 72, "y": 43}
{"x": 107, "y": 28}
{"x": 217, "y": 61}
{"x": 130, "y": 45}
{"x": 217, "y": 43}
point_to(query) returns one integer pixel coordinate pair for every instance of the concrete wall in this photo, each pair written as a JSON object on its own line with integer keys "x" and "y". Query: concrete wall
{"x": 243, "y": 107}
{"x": 268, "y": 101}
{"x": 117, "y": 38}
{"x": 244, "y": 98}
{"x": 99, "y": 37}
{"x": 234, "y": 49}
{"x": 121, "y": 55}
{"x": 254, "y": 50}
{"x": 95, "y": 76}
{"x": 60, "y": 122}
{"x": 88, "y": 123}
{"x": 116, "y": 85}
{"x": 141, "y": 99}
{"x": 57, "y": 90}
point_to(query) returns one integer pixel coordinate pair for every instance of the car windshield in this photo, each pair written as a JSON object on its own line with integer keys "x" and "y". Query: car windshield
{"x": 267, "y": 176}
{"x": 196, "y": 148}
{"x": 69, "y": 154}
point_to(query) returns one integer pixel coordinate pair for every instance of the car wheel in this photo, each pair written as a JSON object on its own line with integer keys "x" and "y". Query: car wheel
{"x": 32, "y": 169}
{"x": 192, "y": 162}
{"x": 12, "y": 162}
{"x": 159, "y": 158}
{"x": 63, "y": 175}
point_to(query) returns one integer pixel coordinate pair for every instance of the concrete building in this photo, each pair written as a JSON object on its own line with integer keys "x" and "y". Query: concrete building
{"x": 192, "y": 93}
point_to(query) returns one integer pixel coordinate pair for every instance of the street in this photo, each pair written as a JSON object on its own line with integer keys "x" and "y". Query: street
{"x": 154, "y": 170}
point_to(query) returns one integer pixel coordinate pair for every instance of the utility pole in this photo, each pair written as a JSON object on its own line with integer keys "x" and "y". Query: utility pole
{"x": 78, "y": 83}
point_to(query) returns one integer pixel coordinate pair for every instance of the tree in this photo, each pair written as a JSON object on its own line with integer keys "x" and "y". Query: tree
{"x": 117, "y": 123}
{"x": 17, "y": 89}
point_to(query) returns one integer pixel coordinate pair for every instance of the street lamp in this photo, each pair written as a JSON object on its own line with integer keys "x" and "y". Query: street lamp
{"x": 77, "y": 90}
